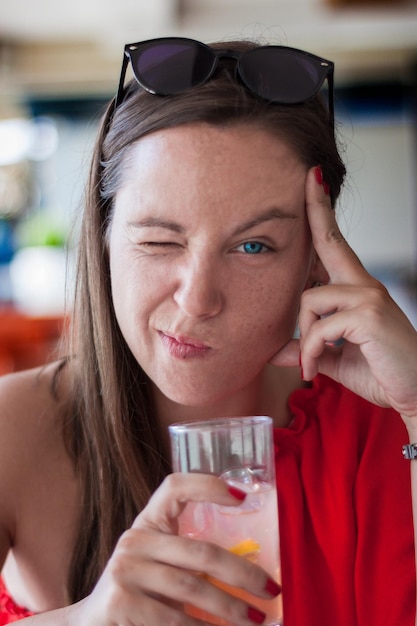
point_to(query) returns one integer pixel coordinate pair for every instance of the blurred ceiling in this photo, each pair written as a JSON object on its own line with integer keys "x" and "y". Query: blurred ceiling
{"x": 52, "y": 47}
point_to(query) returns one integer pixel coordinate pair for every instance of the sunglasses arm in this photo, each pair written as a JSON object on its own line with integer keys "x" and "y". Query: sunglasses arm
{"x": 330, "y": 83}
{"x": 120, "y": 95}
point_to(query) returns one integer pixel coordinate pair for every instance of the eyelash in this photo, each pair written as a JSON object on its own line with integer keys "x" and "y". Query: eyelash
{"x": 261, "y": 247}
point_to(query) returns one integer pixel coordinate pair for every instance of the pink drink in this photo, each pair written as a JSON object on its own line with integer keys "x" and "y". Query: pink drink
{"x": 249, "y": 530}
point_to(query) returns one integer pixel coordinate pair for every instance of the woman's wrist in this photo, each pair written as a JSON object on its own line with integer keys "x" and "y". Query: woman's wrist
{"x": 411, "y": 425}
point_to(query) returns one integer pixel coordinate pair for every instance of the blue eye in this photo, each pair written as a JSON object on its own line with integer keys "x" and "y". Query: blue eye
{"x": 253, "y": 247}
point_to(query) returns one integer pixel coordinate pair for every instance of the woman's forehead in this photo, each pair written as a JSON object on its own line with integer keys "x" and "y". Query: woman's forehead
{"x": 203, "y": 152}
{"x": 233, "y": 175}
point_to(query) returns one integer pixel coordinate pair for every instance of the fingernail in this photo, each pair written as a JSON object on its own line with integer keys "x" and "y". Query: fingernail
{"x": 318, "y": 174}
{"x": 320, "y": 180}
{"x": 255, "y": 615}
{"x": 236, "y": 493}
{"x": 272, "y": 587}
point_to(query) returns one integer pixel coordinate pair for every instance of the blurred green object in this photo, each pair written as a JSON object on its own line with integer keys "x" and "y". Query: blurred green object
{"x": 41, "y": 228}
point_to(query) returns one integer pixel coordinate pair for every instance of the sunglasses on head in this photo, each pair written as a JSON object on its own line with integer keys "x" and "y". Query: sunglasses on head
{"x": 278, "y": 74}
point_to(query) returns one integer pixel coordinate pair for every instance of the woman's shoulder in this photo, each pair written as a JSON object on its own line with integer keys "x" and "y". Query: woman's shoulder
{"x": 343, "y": 419}
{"x": 38, "y": 484}
{"x": 331, "y": 398}
{"x": 32, "y": 404}
{"x": 31, "y": 398}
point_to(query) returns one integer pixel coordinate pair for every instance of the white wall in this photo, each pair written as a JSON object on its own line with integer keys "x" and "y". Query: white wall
{"x": 378, "y": 210}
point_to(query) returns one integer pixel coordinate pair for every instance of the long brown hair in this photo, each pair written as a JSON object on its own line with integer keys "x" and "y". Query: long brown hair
{"x": 110, "y": 428}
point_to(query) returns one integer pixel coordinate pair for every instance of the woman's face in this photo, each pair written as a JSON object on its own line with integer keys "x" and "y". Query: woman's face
{"x": 210, "y": 251}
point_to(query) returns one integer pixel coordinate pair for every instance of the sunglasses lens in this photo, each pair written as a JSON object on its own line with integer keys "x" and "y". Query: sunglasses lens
{"x": 280, "y": 75}
{"x": 170, "y": 67}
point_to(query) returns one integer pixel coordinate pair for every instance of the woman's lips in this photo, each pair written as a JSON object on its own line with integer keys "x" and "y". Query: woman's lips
{"x": 184, "y": 347}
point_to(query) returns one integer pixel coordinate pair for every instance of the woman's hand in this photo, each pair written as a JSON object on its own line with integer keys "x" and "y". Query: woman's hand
{"x": 153, "y": 571}
{"x": 378, "y": 355}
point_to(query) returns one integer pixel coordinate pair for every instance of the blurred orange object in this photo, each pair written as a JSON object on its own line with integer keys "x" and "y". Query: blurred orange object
{"x": 28, "y": 341}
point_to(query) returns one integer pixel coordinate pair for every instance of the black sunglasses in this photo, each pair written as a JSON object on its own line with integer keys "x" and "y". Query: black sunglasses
{"x": 278, "y": 74}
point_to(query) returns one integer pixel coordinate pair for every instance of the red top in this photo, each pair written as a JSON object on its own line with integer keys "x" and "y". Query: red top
{"x": 9, "y": 611}
{"x": 346, "y": 528}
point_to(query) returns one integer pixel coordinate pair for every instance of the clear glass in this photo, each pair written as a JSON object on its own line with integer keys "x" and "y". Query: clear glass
{"x": 241, "y": 451}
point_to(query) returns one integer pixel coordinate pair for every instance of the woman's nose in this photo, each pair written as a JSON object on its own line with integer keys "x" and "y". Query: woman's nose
{"x": 198, "y": 292}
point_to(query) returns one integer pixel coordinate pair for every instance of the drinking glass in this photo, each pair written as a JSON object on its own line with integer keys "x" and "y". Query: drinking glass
{"x": 239, "y": 450}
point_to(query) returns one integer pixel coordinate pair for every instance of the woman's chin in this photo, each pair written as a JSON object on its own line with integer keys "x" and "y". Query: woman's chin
{"x": 194, "y": 397}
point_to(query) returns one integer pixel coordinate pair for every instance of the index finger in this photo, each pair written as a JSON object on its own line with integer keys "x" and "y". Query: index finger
{"x": 339, "y": 260}
{"x": 169, "y": 500}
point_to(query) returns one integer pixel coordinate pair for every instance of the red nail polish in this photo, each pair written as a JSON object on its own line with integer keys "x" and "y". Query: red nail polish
{"x": 320, "y": 180}
{"x": 272, "y": 587}
{"x": 236, "y": 493}
{"x": 256, "y": 616}
{"x": 318, "y": 174}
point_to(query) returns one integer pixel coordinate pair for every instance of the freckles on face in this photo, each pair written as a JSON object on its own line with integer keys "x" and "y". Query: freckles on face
{"x": 209, "y": 254}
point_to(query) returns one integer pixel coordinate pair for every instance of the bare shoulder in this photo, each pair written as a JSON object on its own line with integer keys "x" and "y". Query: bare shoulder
{"x": 30, "y": 403}
{"x": 39, "y": 486}
{"x": 37, "y": 381}
{"x": 30, "y": 431}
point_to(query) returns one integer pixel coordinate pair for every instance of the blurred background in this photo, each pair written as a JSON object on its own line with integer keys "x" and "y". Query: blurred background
{"x": 59, "y": 65}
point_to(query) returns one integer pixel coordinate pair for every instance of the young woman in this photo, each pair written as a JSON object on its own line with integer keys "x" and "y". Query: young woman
{"x": 209, "y": 233}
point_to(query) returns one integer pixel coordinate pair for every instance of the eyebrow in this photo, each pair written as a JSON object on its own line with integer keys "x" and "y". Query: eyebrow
{"x": 156, "y": 222}
{"x": 271, "y": 214}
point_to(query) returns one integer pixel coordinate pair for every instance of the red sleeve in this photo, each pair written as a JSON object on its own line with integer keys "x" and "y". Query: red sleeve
{"x": 385, "y": 562}
{"x": 346, "y": 528}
